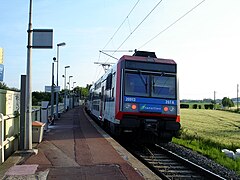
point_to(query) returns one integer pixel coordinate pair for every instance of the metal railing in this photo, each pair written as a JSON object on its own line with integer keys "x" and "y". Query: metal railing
{"x": 9, "y": 135}
{"x": 10, "y": 130}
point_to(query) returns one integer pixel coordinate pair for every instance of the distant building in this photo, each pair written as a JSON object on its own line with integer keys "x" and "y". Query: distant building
{"x": 1, "y": 72}
{"x": 1, "y": 55}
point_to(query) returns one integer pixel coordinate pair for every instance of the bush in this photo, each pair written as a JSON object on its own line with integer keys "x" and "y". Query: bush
{"x": 208, "y": 106}
{"x": 211, "y": 106}
{"x": 186, "y": 106}
{"x": 195, "y": 106}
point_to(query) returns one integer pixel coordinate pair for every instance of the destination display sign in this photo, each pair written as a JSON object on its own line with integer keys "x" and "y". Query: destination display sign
{"x": 150, "y": 100}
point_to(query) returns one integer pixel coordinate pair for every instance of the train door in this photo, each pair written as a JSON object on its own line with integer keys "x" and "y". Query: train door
{"x": 102, "y": 103}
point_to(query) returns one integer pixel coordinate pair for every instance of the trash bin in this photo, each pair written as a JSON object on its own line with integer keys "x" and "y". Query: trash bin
{"x": 37, "y": 131}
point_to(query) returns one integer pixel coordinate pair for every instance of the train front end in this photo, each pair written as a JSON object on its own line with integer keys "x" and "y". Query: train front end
{"x": 148, "y": 105}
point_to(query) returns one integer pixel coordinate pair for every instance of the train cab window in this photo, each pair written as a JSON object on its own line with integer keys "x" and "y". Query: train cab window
{"x": 150, "y": 85}
{"x": 164, "y": 86}
{"x": 136, "y": 84}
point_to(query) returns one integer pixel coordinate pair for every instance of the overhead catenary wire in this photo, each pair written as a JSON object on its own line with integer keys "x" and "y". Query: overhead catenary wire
{"x": 119, "y": 50}
{"x": 108, "y": 55}
{"x": 185, "y": 14}
{"x": 138, "y": 26}
{"x": 121, "y": 25}
{"x": 172, "y": 24}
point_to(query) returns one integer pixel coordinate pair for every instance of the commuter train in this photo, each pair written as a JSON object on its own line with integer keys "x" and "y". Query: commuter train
{"x": 138, "y": 99}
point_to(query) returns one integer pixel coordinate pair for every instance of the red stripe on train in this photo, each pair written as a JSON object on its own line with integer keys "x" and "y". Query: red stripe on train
{"x": 118, "y": 87}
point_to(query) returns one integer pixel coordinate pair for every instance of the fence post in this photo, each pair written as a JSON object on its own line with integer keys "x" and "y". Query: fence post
{"x": 22, "y": 113}
{"x": 2, "y": 137}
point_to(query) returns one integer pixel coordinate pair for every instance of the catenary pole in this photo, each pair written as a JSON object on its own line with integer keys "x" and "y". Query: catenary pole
{"x": 237, "y": 95}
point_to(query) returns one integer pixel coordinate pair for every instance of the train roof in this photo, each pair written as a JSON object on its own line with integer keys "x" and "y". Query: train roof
{"x": 147, "y": 57}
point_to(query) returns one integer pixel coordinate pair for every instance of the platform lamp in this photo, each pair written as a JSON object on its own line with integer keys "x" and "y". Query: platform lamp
{"x": 73, "y": 84}
{"x": 65, "y": 88}
{"x": 69, "y": 82}
{"x": 57, "y": 60}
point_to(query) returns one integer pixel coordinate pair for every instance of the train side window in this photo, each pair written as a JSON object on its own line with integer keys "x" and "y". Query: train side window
{"x": 109, "y": 82}
{"x": 112, "y": 92}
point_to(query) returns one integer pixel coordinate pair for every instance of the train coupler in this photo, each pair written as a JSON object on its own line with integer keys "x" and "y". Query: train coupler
{"x": 151, "y": 125}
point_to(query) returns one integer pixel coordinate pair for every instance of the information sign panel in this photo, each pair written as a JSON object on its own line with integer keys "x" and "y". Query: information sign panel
{"x": 42, "y": 38}
{"x": 1, "y": 72}
{"x": 49, "y": 88}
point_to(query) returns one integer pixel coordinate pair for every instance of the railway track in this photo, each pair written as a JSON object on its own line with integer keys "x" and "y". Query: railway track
{"x": 168, "y": 165}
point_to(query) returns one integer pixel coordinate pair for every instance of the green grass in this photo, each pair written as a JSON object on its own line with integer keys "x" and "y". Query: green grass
{"x": 210, "y": 131}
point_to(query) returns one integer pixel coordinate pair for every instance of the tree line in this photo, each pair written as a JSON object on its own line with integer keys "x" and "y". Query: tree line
{"x": 38, "y": 97}
{"x": 210, "y": 104}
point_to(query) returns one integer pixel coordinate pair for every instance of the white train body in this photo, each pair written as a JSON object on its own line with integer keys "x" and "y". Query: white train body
{"x": 138, "y": 96}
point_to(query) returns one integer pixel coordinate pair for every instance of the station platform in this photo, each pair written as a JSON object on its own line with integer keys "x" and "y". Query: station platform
{"x": 76, "y": 148}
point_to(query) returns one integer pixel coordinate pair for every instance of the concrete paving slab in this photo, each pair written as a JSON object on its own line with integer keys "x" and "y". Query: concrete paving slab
{"x": 16, "y": 158}
{"x": 22, "y": 170}
{"x": 37, "y": 176}
{"x": 106, "y": 172}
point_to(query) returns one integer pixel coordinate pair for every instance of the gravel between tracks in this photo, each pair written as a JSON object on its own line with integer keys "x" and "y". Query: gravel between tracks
{"x": 202, "y": 161}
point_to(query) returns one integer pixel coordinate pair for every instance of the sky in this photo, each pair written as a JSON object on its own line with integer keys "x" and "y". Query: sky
{"x": 205, "y": 43}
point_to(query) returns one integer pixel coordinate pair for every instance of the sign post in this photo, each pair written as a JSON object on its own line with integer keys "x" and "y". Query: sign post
{"x": 42, "y": 39}
{"x": 28, "y": 110}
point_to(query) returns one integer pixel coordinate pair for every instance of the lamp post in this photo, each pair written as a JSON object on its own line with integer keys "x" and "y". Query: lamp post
{"x": 52, "y": 95}
{"x": 28, "y": 108}
{"x": 73, "y": 95}
{"x": 65, "y": 76}
{"x": 73, "y": 84}
{"x": 69, "y": 82}
{"x": 70, "y": 98}
{"x": 58, "y": 45}
{"x": 65, "y": 93}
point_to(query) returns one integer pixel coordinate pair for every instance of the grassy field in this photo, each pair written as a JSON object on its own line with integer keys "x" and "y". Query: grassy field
{"x": 219, "y": 126}
{"x": 210, "y": 131}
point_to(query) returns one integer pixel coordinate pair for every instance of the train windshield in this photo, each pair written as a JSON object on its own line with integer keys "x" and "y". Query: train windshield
{"x": 150, "y": 85}
{"x": 136, "y": 84}
{"x": 164, "y": 86}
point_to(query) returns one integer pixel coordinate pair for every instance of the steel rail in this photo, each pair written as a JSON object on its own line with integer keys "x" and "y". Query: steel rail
{"x": 168, "y": 165}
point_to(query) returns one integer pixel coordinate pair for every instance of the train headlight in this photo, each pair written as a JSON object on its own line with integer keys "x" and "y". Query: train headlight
{"x": 169, "y": 110}
{"x": 166, "y": 109}
{"x": 134, "y": 106}
{"x": 130, "y": 107}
